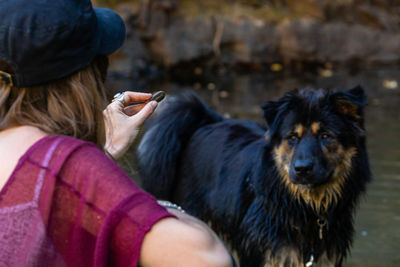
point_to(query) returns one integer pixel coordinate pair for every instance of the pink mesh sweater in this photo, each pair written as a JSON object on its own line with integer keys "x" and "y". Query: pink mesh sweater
{"x": 67, "y": 204}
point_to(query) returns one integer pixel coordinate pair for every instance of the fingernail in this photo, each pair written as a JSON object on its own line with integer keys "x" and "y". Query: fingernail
{"x": 153, "y": 104}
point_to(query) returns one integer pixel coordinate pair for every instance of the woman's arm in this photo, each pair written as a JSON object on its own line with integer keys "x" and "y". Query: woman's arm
{"x": 185, "y": 241}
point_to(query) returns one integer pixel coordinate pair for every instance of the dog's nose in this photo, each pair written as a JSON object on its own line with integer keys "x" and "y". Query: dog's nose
{"x": 303, "y": 167}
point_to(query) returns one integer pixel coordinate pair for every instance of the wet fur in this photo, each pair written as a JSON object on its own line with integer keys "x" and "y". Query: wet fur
{"x": 234, "y": 174}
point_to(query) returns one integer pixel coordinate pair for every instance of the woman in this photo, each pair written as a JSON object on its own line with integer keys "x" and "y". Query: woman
{"x": 63, "y": 202}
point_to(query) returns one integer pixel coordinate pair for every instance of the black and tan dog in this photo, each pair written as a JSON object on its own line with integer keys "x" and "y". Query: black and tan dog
{"x": 283, "y": 195}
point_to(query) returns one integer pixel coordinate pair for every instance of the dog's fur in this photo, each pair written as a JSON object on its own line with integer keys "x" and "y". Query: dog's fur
{"x": 266, "y": 190}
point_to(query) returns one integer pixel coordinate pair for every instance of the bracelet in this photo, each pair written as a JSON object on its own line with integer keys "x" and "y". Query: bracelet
{"x": 167, "y": 204}
{"x": 109, "y": 155}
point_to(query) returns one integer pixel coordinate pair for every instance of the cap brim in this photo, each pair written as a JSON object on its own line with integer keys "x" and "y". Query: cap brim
{"x": 111, "y": 31}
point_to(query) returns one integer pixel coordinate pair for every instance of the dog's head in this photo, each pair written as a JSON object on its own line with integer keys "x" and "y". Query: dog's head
{"x": 315, "y": 135}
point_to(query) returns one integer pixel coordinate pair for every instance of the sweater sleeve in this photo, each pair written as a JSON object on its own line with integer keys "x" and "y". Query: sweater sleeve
{"x": 99, "y": 215}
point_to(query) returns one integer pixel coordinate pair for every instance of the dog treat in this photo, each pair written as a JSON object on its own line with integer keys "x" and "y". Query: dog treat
{"x": 157, "y": 96}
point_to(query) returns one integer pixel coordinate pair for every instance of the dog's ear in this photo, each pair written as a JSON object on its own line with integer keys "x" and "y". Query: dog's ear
{"x": 351, "y": 102}
{"x": 273, "y": 112}
{"x": 270, "y": 109}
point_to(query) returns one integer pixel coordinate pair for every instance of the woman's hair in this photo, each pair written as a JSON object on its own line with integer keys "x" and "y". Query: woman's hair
{"x": 70, "y": 106}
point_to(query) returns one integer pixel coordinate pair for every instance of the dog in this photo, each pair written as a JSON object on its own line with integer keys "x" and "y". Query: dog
{"x": 283, "y": 194}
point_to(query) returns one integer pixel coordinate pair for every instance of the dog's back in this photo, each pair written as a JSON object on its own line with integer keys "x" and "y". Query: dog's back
{"x": 160, "y": 149}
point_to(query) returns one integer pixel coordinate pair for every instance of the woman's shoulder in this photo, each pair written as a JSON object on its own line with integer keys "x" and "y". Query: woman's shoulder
{"x": 62, "y": 145}
{"x": 59, "y": 148}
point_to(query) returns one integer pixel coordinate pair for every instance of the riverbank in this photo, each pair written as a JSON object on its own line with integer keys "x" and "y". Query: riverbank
{"x": 172, "y": 35}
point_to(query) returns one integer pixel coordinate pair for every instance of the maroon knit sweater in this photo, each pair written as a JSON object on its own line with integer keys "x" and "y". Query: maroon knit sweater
{"x": 67, "y": 204}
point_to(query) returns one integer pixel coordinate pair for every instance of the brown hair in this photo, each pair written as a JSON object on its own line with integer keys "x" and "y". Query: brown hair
{"x": 70, "y": 106}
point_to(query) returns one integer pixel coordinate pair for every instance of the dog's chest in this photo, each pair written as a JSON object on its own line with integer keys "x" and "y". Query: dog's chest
{"x": 289, "y": 257}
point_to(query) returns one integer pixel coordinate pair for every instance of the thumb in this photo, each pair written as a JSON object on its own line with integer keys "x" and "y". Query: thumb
{"x": 144, "y": 113}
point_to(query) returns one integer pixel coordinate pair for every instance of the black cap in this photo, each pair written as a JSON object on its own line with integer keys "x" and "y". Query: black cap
{"x": 45, "y": 40}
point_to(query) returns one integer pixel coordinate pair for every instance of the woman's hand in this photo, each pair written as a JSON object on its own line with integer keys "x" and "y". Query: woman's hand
{"x": 122, "y": 122}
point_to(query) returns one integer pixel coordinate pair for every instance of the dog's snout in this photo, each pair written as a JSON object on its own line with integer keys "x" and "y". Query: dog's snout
{"x": 303, "y": 167}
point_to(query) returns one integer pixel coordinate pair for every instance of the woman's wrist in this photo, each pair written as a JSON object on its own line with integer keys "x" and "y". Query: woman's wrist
{"x": 114, "y": 151}
{"x": 109, "y": 155}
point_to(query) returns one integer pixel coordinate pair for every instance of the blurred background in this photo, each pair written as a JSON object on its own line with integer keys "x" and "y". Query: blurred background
{"x": 237, "y": 54}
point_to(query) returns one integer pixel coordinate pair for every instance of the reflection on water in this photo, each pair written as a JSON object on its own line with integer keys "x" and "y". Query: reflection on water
{"x": 377, "y": 240}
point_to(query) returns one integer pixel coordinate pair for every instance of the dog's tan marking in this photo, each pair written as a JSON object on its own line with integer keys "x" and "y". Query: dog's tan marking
{"x": 315, "y": 126}
{"x": 348, "y": 108}
{"x": 283, "y": 155}
{"x": 267, "y": 136}
{"x": 321, "y": 197}
{"x": 299, "y": 130}
{"x": 289, "y": 257}
{"x": 236, "y": 258}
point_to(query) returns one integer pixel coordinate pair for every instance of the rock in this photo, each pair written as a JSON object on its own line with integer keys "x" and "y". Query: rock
{"x": 132, "y": 58}
{"x": 339, "y": 42}
{"x": 306, "y": 8}
{"x": 183, "y": 40}
{"x": 246, "y": 41}
{"x": 159, "y": 31}
{"x": 298, "y": 39}
{"x": 375, "y": 17}
{"x": 310, "y": 40}
{"x": 388, "y": 48}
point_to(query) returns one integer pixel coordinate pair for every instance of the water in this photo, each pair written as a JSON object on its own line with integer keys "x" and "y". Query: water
{"x": 377, "y": 240}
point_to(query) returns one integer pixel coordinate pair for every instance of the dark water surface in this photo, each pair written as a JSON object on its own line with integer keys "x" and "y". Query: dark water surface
{"x": 377, "y": 240}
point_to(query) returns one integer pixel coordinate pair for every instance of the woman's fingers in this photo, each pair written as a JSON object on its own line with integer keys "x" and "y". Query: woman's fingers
{"x": 132, "y": 110}
{"x": 132, "y": 97}
{"x": 143, "y": 113}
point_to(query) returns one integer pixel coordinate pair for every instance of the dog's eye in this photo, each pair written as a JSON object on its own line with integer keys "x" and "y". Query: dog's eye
{"x": 292, "y": 137}
{"x": 325, "y": 136}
